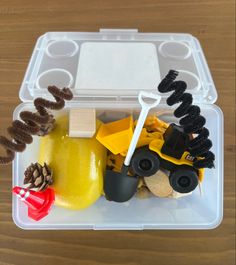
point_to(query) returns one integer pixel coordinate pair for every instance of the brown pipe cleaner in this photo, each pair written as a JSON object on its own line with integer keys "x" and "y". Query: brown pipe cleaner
{"x": 37, "y": 123}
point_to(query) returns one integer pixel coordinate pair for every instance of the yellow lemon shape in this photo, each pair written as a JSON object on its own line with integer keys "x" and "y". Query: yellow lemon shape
{"x": 78, "y": 165}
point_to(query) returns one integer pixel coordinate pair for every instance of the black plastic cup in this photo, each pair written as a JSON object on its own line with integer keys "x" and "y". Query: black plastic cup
{"x": 119, "y": 186}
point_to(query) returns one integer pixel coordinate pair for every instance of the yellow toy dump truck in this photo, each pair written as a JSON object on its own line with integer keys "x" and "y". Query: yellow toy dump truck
{"x": 160, "y": 145}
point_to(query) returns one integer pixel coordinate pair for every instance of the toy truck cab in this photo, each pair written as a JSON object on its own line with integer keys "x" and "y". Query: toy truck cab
{"x": 169, "y": 151}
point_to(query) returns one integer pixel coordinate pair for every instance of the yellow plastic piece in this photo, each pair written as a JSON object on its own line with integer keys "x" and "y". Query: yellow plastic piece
{"x": 144, "y": 139}
{"x": 115, "y": 162}
{"x": 201, "y": 174}
{"x": 154, "y": 124}
{"x": 78, "y": 165}
{"x": 117, "y": 135}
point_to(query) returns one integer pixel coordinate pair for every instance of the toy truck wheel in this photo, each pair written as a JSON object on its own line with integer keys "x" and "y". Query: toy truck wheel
{"x": 145, "y": 163}
{"x": 183, "y": 179}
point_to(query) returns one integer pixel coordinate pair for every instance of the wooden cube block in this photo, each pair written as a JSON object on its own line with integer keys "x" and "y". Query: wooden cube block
{"x": 82, "y": 123}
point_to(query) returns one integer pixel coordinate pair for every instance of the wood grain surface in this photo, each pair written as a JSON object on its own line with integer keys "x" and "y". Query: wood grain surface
{"x": 212, "y": 22}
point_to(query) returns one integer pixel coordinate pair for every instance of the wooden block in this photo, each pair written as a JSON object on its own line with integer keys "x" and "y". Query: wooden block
{"x": 82, "y": 123}
{"x": 159, "y": 184}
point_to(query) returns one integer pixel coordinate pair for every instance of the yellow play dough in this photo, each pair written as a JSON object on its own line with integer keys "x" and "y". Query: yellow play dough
{"x": 78, "y": 165}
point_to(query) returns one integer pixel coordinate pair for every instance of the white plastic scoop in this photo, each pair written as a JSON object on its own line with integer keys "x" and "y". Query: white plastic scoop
{"x": 142, "y": 117}
{"x": 119, "y": 186}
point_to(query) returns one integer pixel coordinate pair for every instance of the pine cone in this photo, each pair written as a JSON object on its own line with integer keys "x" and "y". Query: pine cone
{"x": 38, "y": 176}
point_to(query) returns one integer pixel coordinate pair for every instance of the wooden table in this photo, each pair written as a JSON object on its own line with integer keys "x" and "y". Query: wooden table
{"x": 212, "y": 22}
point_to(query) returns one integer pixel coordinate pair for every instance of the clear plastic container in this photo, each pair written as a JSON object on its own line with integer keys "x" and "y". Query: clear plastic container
{"x": 108, "y": 69}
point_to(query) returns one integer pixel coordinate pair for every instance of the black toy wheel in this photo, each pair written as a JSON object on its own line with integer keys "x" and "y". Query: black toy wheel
{"x": 183, "y": 179}
{"x": 145, "y": 163}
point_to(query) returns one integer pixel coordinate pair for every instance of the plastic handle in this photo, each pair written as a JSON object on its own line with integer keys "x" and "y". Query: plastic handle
{"x": 118, "y": 30}
{"x": 142, "y": 117}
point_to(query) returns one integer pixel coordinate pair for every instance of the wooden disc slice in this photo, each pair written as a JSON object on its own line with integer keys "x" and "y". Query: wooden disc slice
{"x": 159, "y": 184}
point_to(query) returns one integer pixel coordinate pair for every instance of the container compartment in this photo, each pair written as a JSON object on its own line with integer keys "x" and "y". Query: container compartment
{"x": 59, "y": 49}
{"x": 124, "y": 68}
{"x": 193, "y": 212}
{"x": 175, "y": 50}
{"x": 55, "y": 76}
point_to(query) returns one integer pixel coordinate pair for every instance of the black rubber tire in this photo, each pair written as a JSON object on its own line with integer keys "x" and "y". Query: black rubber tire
{"x": 183, "y": 179}
{"x": 144, "y": 162}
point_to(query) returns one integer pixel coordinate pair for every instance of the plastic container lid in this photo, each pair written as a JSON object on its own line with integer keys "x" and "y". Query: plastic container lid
{"x": 116, "y": 64}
